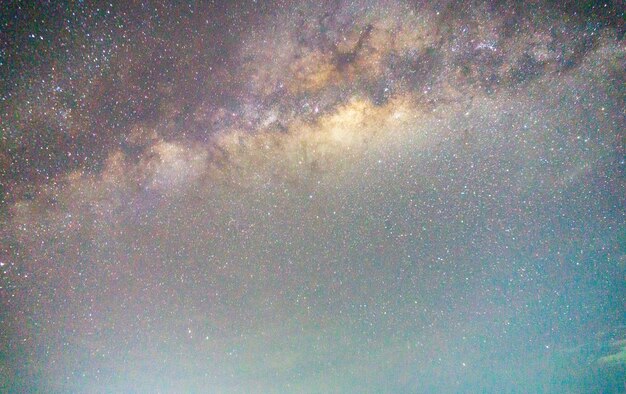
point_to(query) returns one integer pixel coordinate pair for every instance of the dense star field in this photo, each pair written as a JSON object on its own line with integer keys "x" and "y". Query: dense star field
{"x": 312, "y": 196}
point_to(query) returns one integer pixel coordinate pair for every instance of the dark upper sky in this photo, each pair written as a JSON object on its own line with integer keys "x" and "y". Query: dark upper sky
{"x": 366, "y": 196}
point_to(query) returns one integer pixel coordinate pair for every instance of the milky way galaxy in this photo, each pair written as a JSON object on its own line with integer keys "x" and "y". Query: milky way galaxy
{"x": 312, "y": 196}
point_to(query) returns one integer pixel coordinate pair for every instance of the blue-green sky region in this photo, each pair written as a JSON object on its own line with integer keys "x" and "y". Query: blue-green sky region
{"x": 337, "y": 196}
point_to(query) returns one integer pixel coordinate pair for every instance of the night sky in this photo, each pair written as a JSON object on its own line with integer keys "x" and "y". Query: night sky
{"x": 312, "y": 196}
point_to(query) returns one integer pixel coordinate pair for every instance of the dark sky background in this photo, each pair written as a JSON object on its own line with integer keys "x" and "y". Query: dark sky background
{"x": 313, "y": 196}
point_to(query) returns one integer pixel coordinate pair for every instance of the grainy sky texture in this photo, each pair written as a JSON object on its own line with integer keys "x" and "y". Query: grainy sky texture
{"x": 312, "y": 196}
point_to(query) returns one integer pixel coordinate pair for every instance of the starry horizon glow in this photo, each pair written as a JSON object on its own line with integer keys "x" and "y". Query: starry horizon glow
{"x": 366, "y": 196}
